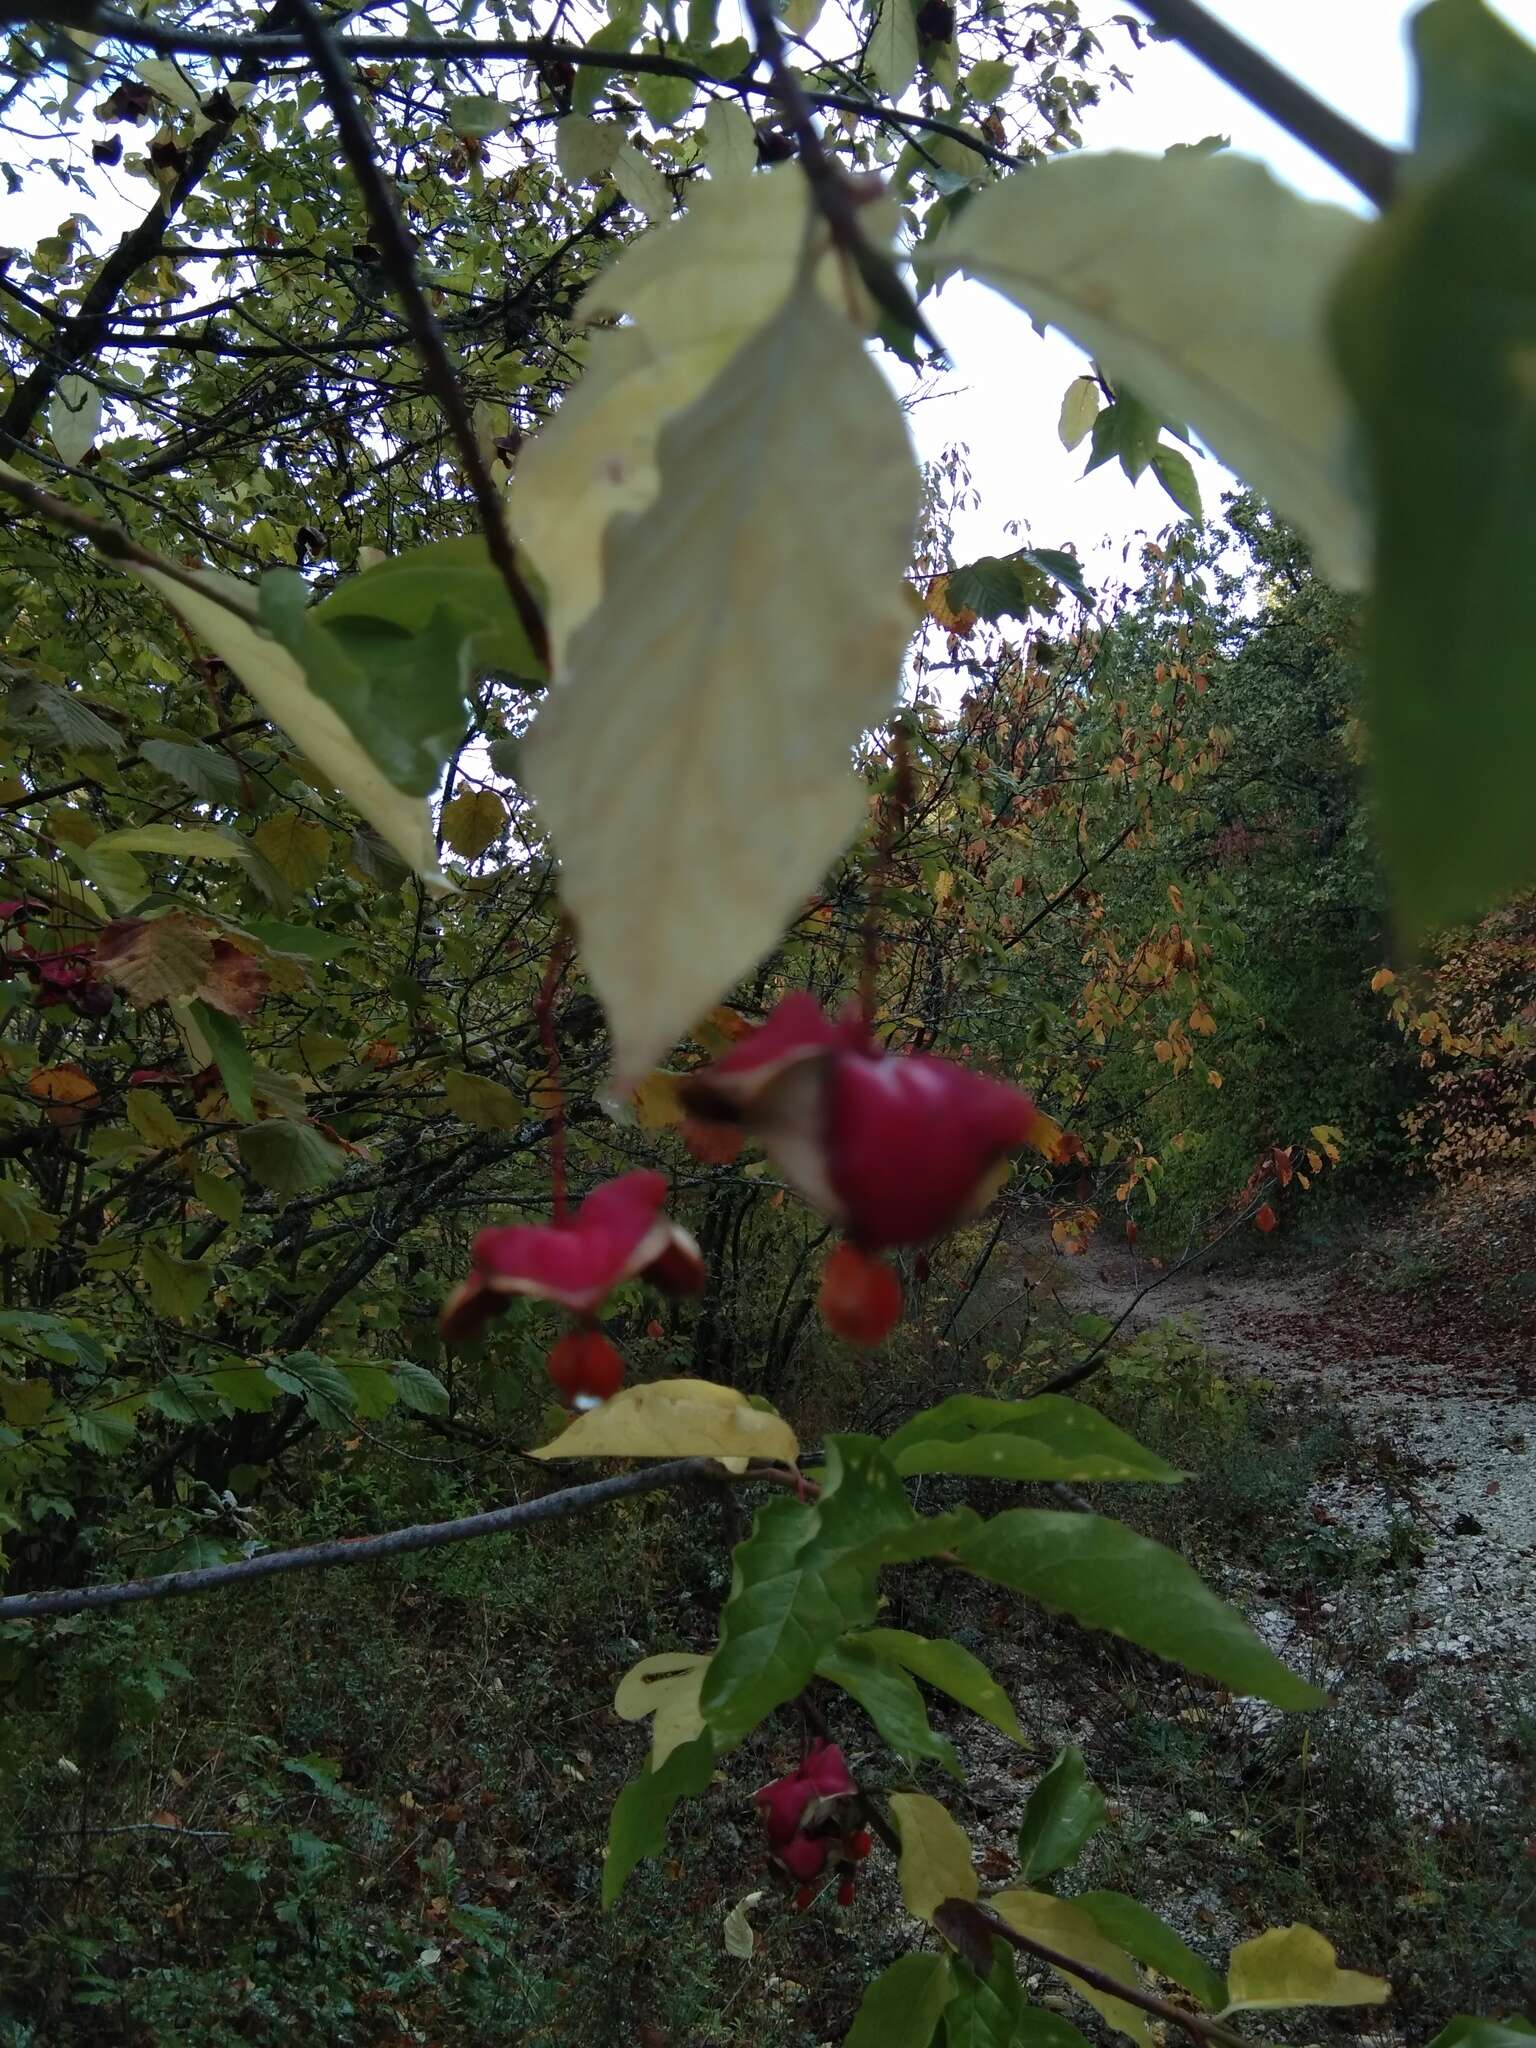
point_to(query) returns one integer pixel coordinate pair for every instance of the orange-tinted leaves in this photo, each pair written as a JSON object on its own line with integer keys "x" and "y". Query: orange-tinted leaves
{"x": 66, "y": 1085}
{"x": 712, "y": 1144}
{"x": 1266, "y": 1219}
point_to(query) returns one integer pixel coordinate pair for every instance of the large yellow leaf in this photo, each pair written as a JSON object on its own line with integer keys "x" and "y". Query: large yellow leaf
{"x": 1296, "y": 1966}
{"x": 1067, "y": 1928}
{"x": 676, "y": 1419}
{"x": 227, "y": 623}
{"x": 935, "y": 1855}
{"x": 693, "y": 292}
{"x": 668, "y": 1687}
{"x": 693, "y": 768}
{"x": 1238, "y": 351}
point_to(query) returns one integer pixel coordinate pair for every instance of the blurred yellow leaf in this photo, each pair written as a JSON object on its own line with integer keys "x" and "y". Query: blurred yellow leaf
{"x": 668, "y": 1687}
{"x": 657, "y": 1104}
{"x": 1296, "y": 1966}
{"x": 1061, "y": 1925}
{"x": 677, "y": 1419}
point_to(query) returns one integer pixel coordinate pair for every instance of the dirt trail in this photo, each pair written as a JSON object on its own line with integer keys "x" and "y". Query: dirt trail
{"x": 1440, "y": 1400}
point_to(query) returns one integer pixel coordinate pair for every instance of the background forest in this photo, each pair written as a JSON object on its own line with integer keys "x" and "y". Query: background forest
{"x": 259, "y": 1090}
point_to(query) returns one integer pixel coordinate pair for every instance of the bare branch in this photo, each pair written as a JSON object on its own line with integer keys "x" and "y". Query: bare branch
{"x": 573, "y": 1500}
{"x": 399, "y": 262}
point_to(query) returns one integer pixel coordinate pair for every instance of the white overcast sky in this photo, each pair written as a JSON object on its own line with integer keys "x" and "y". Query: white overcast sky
{"x": 1003, "y": 398}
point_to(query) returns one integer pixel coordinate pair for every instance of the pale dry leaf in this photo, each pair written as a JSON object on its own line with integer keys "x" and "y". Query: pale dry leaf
{"x": 693, "y": 292}
{"x": 277, "y": 683}
{"x": 668, "y": 1687}
{"x": 1239, "y": 351}
{"x": 676, "y": 1419}
{"x": 694, "y": 769}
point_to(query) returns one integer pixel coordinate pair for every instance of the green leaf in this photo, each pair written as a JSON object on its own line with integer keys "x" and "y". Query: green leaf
{"x": 1435, "y": 325}
{"x": 1466, "y": 2032}
{"x": 1108, "y": 1577}
{"x": 106, "y": 1431}
{"x": 729, "y": 141}
{"x": 948, "y": 1668}
{"x": 419, "y": 1389}
{"x": 483, "y": 1104}
{"x": 1065, "y": 1809}
{"x": 1174, "y": 471}
{"x": 185, "y": 1399}
{"x": 665, "y": 99}
{"x": 905, "y": 1543}
{"x": 289, "y": 1158}
{"x": 1296, "y": 1965}
{"x": 1058, "y": 1924}
{"x": 1127, "y": 431}
{"x": 374, "y": 1391}
{"x": 1046, "y": 1438}
{"x": 221, "y": 1193}
{"x": 642, "y": 183}
{"x": 325, "y": 1387}
{"x": 989, "y": 80}
{"x": 996, "y": 587}
{"x": 893, "y": 46}
{"x": 1152, "y": 1941}
{"x": 181, "y": 842}
{"x": 478, "y": 115}
{"x": 585, "y": 149}
{"x": 231, "y": 1055}
{"x": 74, "y": 416}
{"x": 1088, "y": 244}
{"x": 205, "y": 772}
{"x": 792, "y": 468}
{"x": 935, "y": 1861}
{"x": 1474, "y": 74}
{"x": 1079, "y": 410}
{"x": 641, "y": 1812}
{"x": 890, "y": 1699}
{"x": 155, "y": 1121}
{"x": 451, "y": 579}
{"x": 228, "y": 619}
{"x": 177, "y": 1287}
{"x": 302, "y": 941}
{"x": 1060, "y": 566}
{"x": 904, "y": 2004}
{"x": 784, "y": 1610}
{"x": 245, "y": 1387}
{"x": 986, "y": 2012}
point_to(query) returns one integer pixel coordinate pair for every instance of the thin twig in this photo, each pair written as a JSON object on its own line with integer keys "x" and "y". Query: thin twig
{"x": 398, "y": 259}
{"x": 1370, "y": 166}
{"x": 574, "y": 1500}
{"x": 834, "y": 194}
{"x": 962, "y": 1921}
{"x": 175, "y": 41}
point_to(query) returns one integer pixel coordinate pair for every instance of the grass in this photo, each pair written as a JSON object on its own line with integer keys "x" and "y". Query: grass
{"x": 370, "y": 1805}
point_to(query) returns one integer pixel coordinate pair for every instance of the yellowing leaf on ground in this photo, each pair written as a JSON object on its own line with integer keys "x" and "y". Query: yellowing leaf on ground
{"x": 485, "y": 1105}
{"x": 278, "y": 684}
{"x": 1066, "y": 1928}
{"x": 474, "y": 820}
{"x": 935, "y": 1855}
{"x": 668, "y": 1687}
{"x": 299, "y": 848}
{"x": 1239, "y": 352}
{"x": 676, "y": 1419}
{"x": 693, "y": 293}
{"x": 1296, "y": 1966}
{"x": 694, "y": 766}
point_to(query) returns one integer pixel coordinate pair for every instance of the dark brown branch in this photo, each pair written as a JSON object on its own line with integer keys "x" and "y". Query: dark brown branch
{"x": 574, "y": 1500}
{"x": 399, "y": 262}
{"x": 467, "y": 49}
{"x": 971, "y": 1928}
{"x": 834, "y": 195}
{"x": 80, "y": 338}
{"x": 1370, "y": 166}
